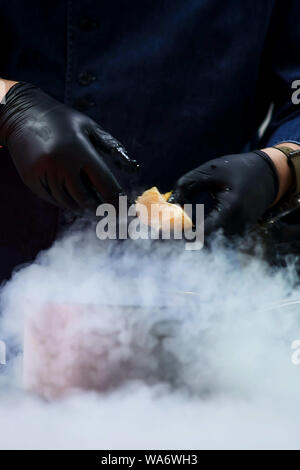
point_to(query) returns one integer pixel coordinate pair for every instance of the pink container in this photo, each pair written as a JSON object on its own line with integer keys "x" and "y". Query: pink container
{"x": 72, "y": 346}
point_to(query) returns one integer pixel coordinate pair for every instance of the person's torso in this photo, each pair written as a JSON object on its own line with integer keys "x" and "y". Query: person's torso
{"x": 176, "y": 81}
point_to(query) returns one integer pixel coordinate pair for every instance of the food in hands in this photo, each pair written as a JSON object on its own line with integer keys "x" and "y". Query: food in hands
{"x": 154, "y": 210}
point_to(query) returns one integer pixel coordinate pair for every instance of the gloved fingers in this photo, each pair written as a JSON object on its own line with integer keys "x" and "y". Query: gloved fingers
{"x": 104, "y": 190}
{"x": 192, "y": 183}
{"x": 69, "y": 193}
{"x": 224, "y": 215}
{"x": 41, "y": 189}
{"x": 60, "y": 193}
{"x": 111, "y": 147}
{"x": 79, "y": 188}
{"x": 103, "y": 181}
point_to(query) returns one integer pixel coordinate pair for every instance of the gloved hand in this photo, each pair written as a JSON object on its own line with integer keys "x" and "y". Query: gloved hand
{"x": 243, "y": 186}
{"x": 59, "y": 152}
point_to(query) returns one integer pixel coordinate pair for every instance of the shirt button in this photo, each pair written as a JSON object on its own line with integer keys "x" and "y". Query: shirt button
{"x": 87, "y": 25}
{"x": 86, "y": 78}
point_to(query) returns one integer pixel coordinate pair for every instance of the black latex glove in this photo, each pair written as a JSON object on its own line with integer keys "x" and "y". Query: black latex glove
{"x": 244, "y": 186}
{"x": 59, "y": 152}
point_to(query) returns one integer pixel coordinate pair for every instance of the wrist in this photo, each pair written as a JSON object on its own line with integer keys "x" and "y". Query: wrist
{"x": 12, "y": 109}
{"x": 5, "y": 86}
{"x": 284, "y": 171}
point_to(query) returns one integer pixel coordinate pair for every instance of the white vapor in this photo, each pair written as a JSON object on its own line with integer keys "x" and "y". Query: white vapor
{"x": 150, "y": 366}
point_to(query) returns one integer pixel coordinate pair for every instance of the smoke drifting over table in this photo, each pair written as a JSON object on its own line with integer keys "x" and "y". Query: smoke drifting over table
{"x": 151, "y": 366}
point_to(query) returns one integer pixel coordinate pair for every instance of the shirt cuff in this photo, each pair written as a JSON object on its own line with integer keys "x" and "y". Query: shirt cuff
{"x": 288, "y": 131}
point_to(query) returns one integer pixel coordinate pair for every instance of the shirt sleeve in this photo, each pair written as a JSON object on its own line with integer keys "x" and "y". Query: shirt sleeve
{"x": 282, "y": 78}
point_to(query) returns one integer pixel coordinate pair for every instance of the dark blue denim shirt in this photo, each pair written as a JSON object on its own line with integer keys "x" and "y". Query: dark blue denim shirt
{"x": 177, "y": 81}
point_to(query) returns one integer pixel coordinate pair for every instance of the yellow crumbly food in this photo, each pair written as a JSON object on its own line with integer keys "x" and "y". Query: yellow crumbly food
{"x": 153, "y": 209}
